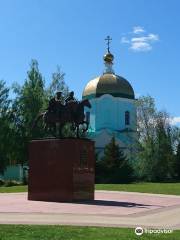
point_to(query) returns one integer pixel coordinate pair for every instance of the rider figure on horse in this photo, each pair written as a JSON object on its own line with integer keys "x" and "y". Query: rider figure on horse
{"x": 71, "y": 104}
{"x": 70, "y": 98}
{"x": 56, "y": 105}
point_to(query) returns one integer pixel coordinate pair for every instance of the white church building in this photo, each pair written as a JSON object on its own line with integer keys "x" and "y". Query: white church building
{"x": 113, "y": 111}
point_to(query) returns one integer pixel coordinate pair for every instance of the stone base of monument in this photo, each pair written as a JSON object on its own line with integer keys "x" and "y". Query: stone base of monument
{"x": 61, "y": 170}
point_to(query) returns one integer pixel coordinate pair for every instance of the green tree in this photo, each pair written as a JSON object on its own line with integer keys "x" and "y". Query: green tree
{"x": 146, "y": 118}
{"x": 113, "y": 157}
{"x": 5, "y": 129}
{"x": 32, "y": 97}
{"x": 156, "y": 143}
{"x": 164, "y": 157}
{"x": 29, "y": 101}
{"x": 177, "y": 165}
{"x": 115, "y": 166}
{"x": 145, "y": 154}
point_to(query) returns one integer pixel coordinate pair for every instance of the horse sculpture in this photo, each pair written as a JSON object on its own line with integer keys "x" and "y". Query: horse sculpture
{"x": 72, "y": 112}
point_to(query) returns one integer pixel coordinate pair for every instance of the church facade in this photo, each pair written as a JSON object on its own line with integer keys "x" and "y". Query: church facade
{"x": 113, "y": 111}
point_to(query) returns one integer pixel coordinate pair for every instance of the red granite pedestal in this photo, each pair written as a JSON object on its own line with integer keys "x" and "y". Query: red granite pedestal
{"x": 61, "y": 170}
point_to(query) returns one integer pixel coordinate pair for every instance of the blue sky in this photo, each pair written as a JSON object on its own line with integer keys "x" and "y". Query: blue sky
{"x": 71, "y": 34}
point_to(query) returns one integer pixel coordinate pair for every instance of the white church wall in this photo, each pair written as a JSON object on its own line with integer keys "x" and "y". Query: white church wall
{"x": 109, "y": 112}
{"x": 107, "y": 119}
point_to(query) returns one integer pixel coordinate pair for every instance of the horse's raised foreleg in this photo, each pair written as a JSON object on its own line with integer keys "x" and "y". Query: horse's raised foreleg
{"x": 87, "y": 126}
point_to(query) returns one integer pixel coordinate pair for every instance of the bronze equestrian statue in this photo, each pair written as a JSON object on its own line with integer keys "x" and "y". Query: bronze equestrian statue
{"x": 58, "y": 114}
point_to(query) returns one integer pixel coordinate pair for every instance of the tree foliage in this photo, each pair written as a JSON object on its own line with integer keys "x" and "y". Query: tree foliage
{"x": 29, "y": 101}
{"x": 155, "y": 158}
{"x": 57, "y": 84}
{"x": 5, "y": 130}
{"x": 114, "y": 167}
{"x": 177, "y": 160}
{"x": 146, "y": 118}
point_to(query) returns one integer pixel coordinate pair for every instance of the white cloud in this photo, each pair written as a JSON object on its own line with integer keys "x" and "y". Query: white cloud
{"x": 138, "y": 29}
{"x": 175, "y": 121}
{"x": 153, "y": 37}
{"x": 149, "y": 38}
{"x": 142, "y": 42}
{"x": 140, "y": 46}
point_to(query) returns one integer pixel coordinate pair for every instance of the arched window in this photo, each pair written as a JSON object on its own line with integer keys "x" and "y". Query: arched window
{"x": 127, "y": 118}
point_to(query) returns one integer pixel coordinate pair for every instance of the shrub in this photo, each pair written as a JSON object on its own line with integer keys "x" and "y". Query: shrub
{"x": 1, "y": 182}
{"x": 10, "y": 183}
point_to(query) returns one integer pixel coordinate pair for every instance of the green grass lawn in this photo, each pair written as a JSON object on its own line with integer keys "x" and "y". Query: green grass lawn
{"x": 13, "y": 189}
{"x": 163, "y": 188}
{"x": 33, "y": 232}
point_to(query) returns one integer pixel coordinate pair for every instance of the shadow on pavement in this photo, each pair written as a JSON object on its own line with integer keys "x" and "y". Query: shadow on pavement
{"x": 114, "y": 203}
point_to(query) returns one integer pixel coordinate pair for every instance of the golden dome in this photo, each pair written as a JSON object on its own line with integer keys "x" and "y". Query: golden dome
{"x": 108, "y": 57}
{"x": 108, "y": 83}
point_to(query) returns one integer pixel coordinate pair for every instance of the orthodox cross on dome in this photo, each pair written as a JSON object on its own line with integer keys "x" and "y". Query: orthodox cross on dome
{"x": 108, "y": 57}
{"x": 108, "y": 39}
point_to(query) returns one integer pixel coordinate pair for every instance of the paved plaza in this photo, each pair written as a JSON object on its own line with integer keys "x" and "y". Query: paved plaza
{"x": 109, "y": 209}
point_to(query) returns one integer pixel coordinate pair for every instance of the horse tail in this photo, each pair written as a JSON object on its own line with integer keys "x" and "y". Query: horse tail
{"x": 39, "y": 116}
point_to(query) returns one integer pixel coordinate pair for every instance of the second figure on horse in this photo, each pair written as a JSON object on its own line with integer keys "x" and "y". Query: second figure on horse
{"x": 56, "y": 104}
